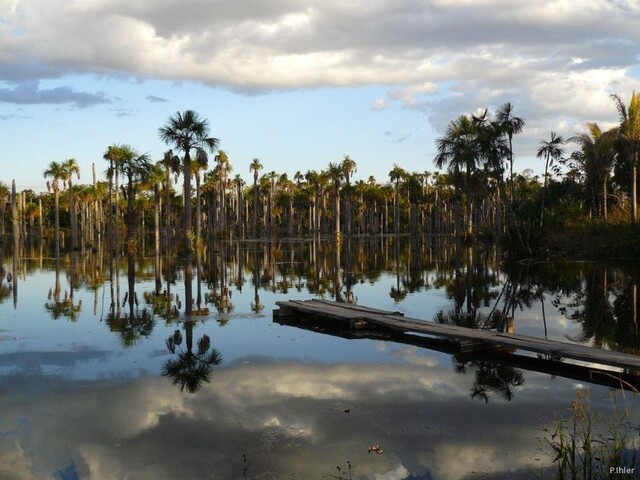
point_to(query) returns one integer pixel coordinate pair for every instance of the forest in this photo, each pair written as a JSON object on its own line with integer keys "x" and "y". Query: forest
{"x": 586, "y": 196}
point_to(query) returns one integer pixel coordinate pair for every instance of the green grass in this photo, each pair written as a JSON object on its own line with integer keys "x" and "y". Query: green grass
{"x": 589, "y": 444}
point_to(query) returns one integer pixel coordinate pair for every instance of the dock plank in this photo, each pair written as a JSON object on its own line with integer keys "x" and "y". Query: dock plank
{"x": 395, "y": 321}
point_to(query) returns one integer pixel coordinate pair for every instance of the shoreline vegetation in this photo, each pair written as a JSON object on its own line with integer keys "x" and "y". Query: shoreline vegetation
{"x": 585, "y": 210}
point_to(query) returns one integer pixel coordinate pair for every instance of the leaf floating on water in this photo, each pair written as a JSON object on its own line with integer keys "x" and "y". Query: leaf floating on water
{"x": 376, "y": 449}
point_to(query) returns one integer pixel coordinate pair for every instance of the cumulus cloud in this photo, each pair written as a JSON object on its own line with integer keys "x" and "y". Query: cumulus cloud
{"x": 286, "y": 417}
{"x": 440, "y": 57}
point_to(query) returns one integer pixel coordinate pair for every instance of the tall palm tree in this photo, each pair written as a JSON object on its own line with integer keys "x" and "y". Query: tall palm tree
{"x": 396, "y": 175}
{"x": 313, "y": 179}
{"x": 71, "y": 168}
{"x": 270, "y": 179}
{"x": 5, "y": 194}
{"x": 188, "y": 132}
{"x": 492, "y": 150}
{"x": 336, "y": 174}
{"x": 595, "y": 158}
{"x": 629, "y": 140}
{"x": 349, "y": 167}
{"x": 255, "y": 167}
{"x": 56, "y": 172}
{"x": 239, "y": 183}
{"x": 113, "y": 155}
{"x": 458, "y": 150}
{"x": 200, "y": 164}
{"x": 153, "y": 181}
{"x": 510, "y": 125}
{"x": 551, "y": 151}
{"x": 134, "y": 167}
{"x": 224, "y": 168}
{"x": 171, "y": 166}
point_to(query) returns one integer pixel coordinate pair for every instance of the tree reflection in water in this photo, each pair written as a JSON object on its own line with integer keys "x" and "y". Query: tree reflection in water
{"x": 600, "y": 301}
{"x": 606, "y": 306}
{"x": 5, "y": 290}
{"x": 490, "y": 377}
{"x": 63, "y": 306}
{"x": 190, "y": 369}
{"x": 134, "y": 323}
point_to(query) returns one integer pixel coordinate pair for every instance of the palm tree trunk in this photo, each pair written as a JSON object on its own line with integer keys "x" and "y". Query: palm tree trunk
{"x": 254, "y": 226}
{"x": 57, "y": 226}
{"x": 16, "y": 224}
{"x": 40, "y": 219}
{"x": 544, "y": 190}
{"x": 74, "y": 219}
{"x": 337, "y": 212}
{"x": 634, "y": 187}
{"x": 511, "y": 167}
{"x": 604, "y": 199}
{"x": 469, "y": 211}
{"x": 198, "y": 208}
{"x": 116, "y": 222}
{"x": 156, "y": 236}
{"x": 187, "y": 217}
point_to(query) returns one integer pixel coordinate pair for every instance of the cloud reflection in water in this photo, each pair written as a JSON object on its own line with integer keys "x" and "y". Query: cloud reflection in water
{"x": 292, "y": 420}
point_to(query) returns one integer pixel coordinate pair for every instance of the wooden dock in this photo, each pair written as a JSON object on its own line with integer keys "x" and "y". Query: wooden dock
{"x": 374, "y": 323}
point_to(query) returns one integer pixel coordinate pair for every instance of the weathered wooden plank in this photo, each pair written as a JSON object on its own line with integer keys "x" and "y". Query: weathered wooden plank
{"x": 357, "y": 314}
{"x": 356, "y": 307}
{"x": 503, "y": 355}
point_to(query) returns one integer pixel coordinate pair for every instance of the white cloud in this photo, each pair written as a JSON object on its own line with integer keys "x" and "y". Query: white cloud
{"x": 379, "y": 104}
{"x": 147, "y": 429}
{"x": 553, "y": 59}
{"x": 398, "y": 473}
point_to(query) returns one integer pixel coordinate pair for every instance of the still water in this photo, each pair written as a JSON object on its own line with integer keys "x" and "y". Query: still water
{"x": 101, "y": 377}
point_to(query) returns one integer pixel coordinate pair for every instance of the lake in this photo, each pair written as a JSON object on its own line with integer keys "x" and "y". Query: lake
{"x": 102, "y": 377}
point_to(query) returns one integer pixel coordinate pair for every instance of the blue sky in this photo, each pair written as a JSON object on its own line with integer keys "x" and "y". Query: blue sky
{"x": 299, "y": 84}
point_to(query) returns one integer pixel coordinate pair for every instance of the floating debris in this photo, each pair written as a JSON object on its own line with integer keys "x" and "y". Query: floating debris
{"x": 376, "y": 449}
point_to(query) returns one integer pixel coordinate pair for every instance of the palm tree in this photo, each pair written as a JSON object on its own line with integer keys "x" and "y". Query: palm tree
{"x": 255, "y": 167}
{"x": 492, "y": 150}
{"x": 134, "y": 167}
{"x": 113, "y": 155}
{"x": 349, "y": 166}
{"x": 188, "y": 132}
{"x": 510, "y": 125}
{"x": 56, "y": 172}
{"x": 551, "y": 151}
{"x": 199, "y": 164}
{"x": 336, "y": 174}
{"x": 70, "y": 167}
{"x": 224, "y": 168}
{"x": 313, "y": 179}
{"x": 153, "y": 181}
{"x": 629, "y": 141}
{"x": 239, "y": 183}
{"x": 595, "y": 158}
{"x": 171, "y": 166}
{"x": 5, "y": 194}
{"x": 395, "y": 175}
{"x": 270, "y": 180}
{"x": 458, "y": 150}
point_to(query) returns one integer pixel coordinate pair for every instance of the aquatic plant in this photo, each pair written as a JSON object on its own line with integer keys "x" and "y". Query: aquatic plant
{"x": 589, "y": 446}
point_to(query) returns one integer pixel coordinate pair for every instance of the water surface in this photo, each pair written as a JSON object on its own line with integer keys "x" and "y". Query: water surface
{"x": 88, "y": 389}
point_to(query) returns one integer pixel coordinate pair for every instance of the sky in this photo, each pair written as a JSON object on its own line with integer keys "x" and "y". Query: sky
{"x": 299, "y": 83}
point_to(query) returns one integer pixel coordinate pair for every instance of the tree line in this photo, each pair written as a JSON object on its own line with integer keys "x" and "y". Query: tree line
{"x": 474, "y": 193}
